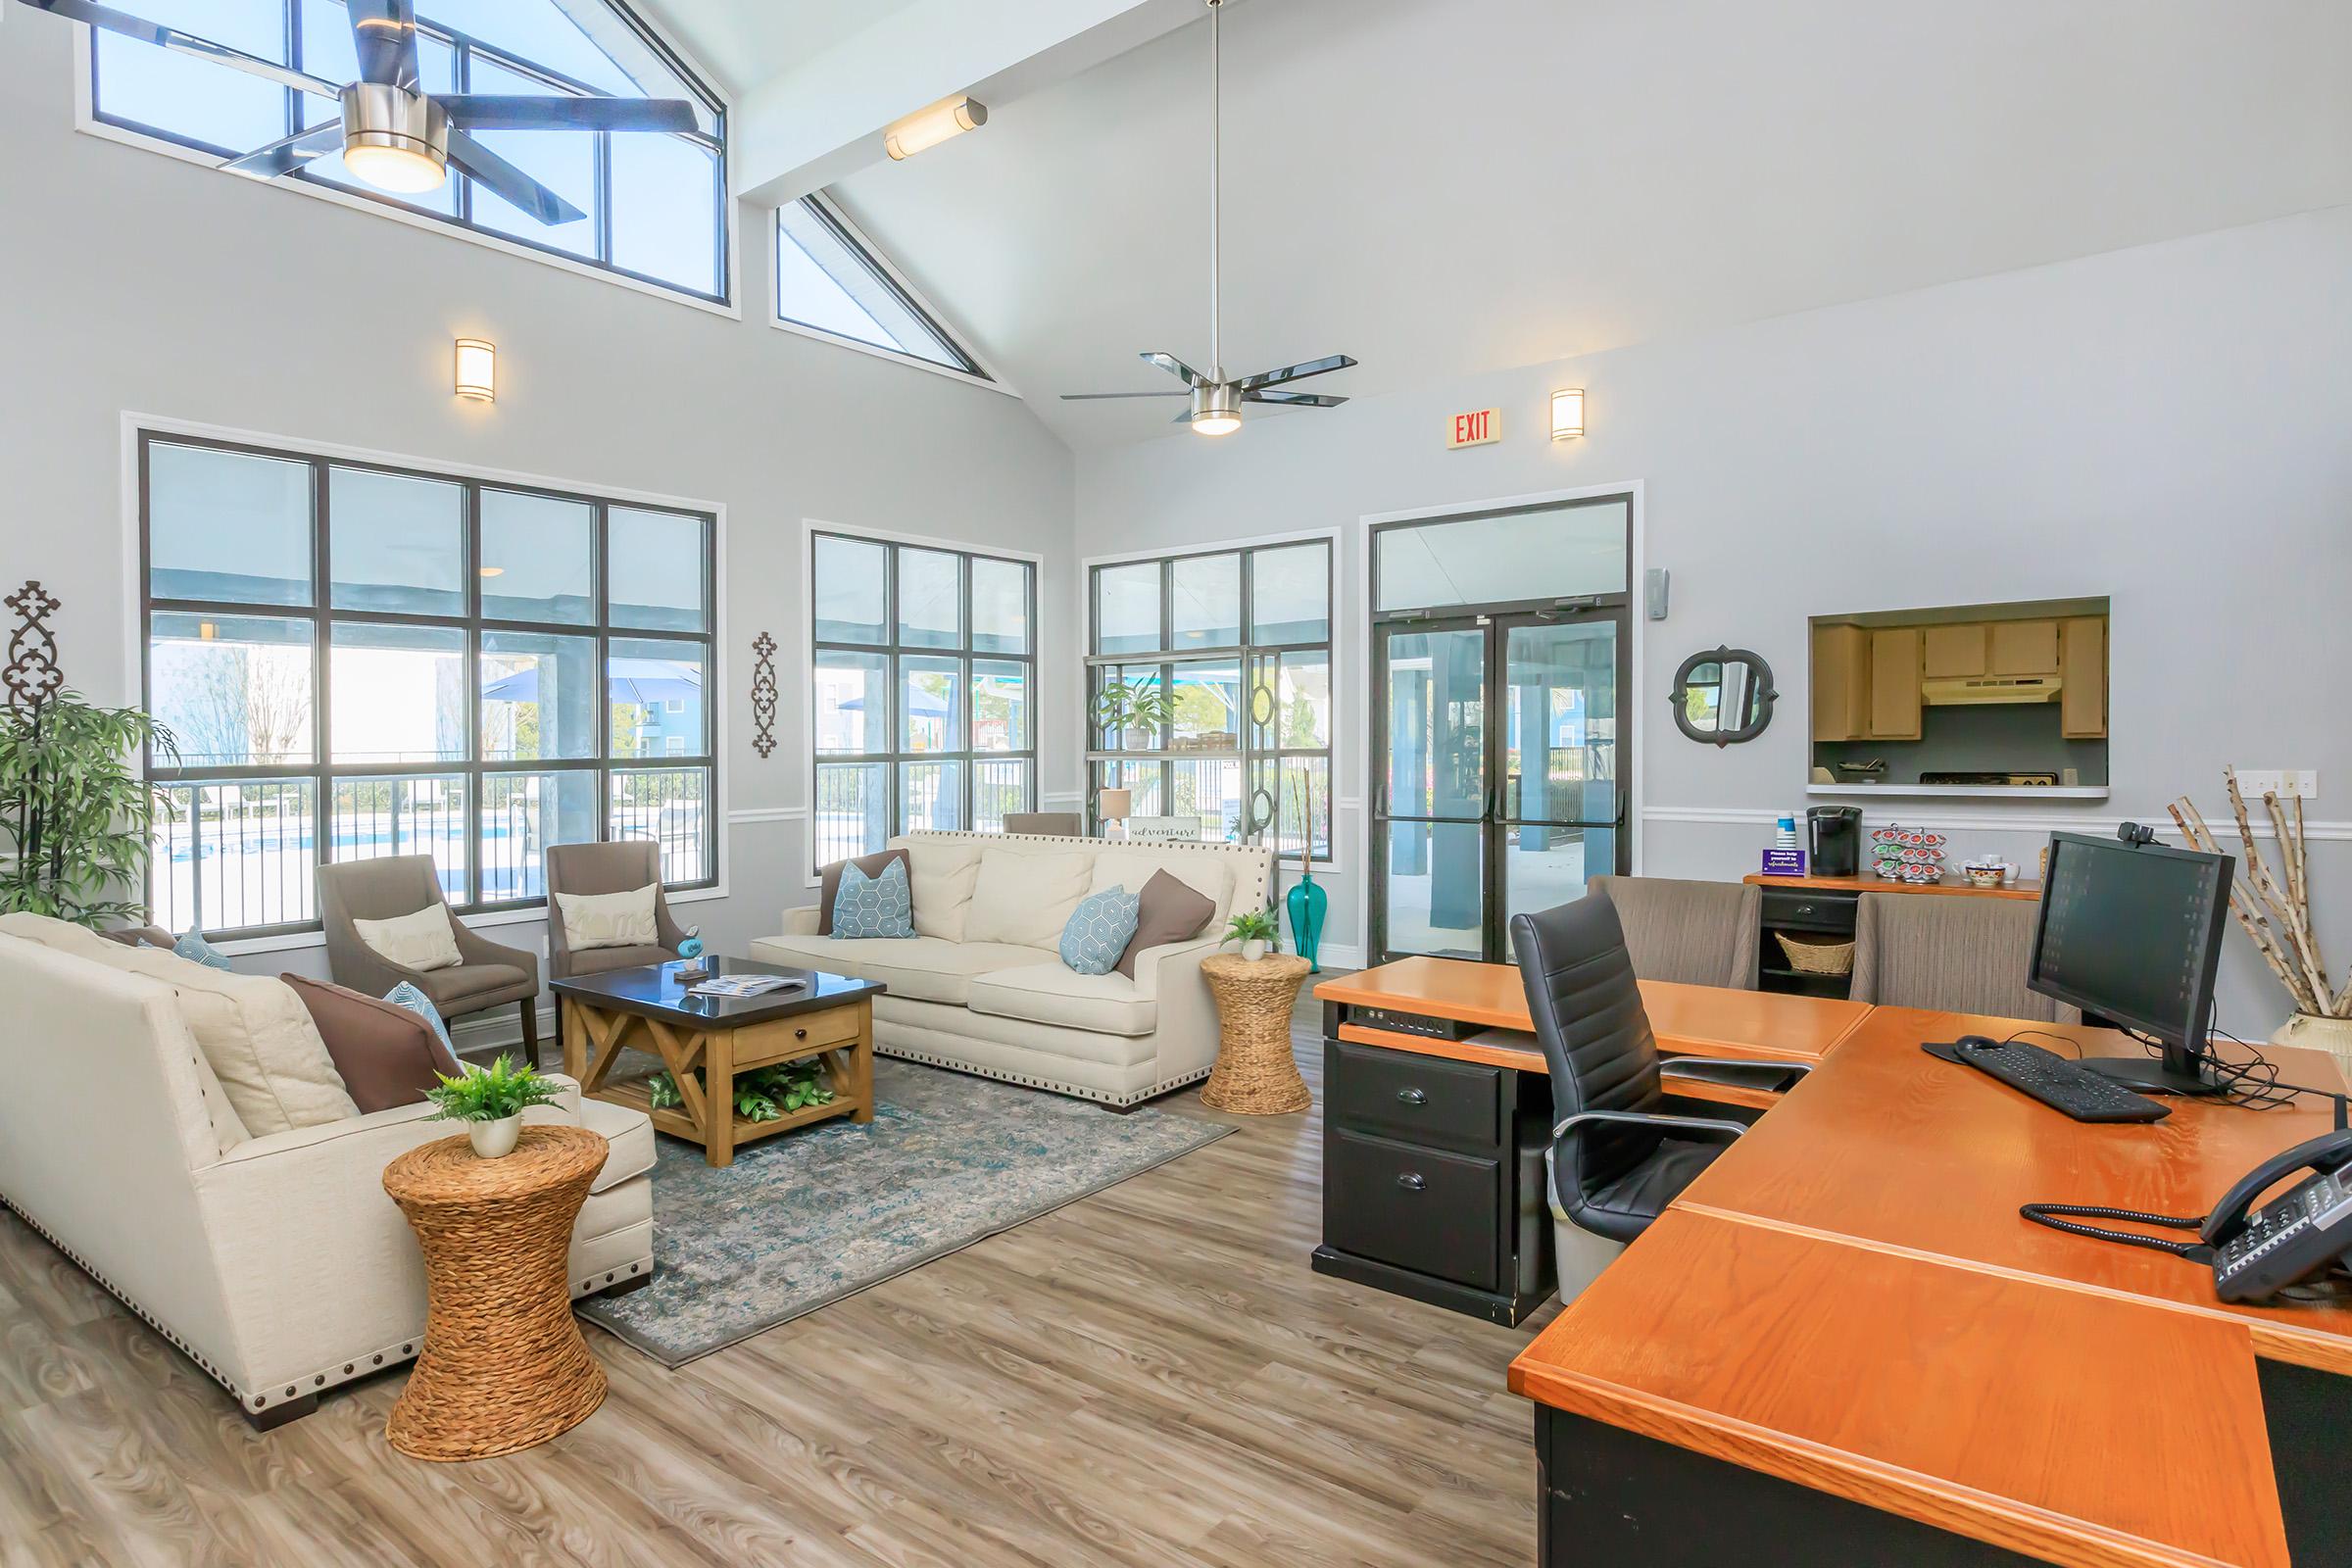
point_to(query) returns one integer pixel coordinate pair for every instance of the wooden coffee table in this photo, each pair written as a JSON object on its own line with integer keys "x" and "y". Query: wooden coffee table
{"x": 827, "y": 1016}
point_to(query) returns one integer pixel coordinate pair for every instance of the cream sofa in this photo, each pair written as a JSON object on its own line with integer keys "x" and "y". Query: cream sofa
{"x": 980, "y": 986}
{"x": 275, "y": 1262}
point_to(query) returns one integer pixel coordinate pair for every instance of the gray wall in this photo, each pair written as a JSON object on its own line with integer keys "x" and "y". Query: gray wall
{"x": 134, "y": 281}
{"x": 2163, "y": 425}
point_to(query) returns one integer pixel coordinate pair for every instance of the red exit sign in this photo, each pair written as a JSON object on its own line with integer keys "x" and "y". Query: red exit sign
{"x": 1477, "y": 428}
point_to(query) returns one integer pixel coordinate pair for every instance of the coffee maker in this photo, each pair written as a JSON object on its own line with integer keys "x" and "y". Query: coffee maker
{"x": 1834, "y": 840}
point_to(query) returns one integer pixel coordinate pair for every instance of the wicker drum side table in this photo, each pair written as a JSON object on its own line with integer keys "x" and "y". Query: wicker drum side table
{"x": 1255, "y": 1073}
{"x": 504, "y": 1366}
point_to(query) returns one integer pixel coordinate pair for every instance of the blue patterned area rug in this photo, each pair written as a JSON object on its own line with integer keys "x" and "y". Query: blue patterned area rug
{"x": 803, "y": 1219}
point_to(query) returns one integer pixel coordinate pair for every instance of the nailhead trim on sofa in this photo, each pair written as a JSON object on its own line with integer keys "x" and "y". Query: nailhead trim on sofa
{"x": 1074, "y": 1091}
{"x": 358, "y": 1367}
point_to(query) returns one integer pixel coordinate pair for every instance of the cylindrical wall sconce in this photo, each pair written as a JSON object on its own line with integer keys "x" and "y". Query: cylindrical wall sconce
{"x": 927, "y": 127}
{"x": 1567, "y": 413}
{"x": 477, "y": 370}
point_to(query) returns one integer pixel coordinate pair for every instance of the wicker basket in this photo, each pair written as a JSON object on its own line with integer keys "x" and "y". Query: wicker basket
{"x": 1816, "y": 955}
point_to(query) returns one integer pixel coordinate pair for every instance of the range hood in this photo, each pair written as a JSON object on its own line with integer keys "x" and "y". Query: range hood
{"x": 1978, "y": 689}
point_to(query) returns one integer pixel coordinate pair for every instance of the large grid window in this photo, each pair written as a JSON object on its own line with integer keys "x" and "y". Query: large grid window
{"x": 656, "y": 202}
{"x": 923, "y": 690}
{"x": 1239, "y": 643}
{"x": 360, "y": 661}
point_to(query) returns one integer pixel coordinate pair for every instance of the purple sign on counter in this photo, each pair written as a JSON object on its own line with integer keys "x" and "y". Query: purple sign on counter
{"x": 1783, "y": 862}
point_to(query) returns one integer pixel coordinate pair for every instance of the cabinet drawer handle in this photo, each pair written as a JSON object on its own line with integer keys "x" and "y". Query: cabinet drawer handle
{"x": 1412, "y": 1096}
{"x": 799, "y": 1034}
{"x": 1411, "y": 1181}
{"x": 1804, "y": 908}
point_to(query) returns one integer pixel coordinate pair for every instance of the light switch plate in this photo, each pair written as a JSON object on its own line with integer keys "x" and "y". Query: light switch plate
{"x": 2287, "y": 783}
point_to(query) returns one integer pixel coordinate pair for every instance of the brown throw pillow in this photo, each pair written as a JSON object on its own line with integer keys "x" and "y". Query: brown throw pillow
{"x": 829, "y": 882}
{"x": 1165, "y": 912}
{"x": 387, "y": 1055}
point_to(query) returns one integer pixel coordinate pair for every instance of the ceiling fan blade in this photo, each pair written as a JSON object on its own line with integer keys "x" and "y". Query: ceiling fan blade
{"x": 485, "y": 111}
{"x": 1295, "y": 400}
{"x": 1177, "y": 368}
{"x": 384, "y": 31}
{"x": 473, "y": 158}
{"x": 284, "y": 156}
{"x": 1097, "y": 397}
{"x": 1294, "y": 373}
{"x": 186, "y": 43}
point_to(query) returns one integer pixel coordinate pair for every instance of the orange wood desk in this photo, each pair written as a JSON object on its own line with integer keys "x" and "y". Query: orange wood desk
{"x": 1842, "y": 1336}
{"x": 1689, "y": 1020}
{"x": 1433, "y": 1183}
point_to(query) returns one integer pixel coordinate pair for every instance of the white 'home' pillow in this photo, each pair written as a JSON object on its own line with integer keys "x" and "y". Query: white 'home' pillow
{"x": 609, "y": 919}
{"x": 420, "y": 941}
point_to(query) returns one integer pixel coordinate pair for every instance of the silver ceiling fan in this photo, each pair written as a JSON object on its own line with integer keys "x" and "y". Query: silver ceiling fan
{"x": 394, "y": 134}
{"x": 1217, "y": 402}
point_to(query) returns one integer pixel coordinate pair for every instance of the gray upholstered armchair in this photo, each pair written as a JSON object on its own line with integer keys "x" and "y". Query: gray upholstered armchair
{"x": 622, "y": 866}
{"x": 1952, "y": 955}
{"x": 1700, "y": 933}
{"x": 485, "y": 976}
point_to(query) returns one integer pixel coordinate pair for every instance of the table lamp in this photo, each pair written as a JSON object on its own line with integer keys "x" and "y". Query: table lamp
{"x": 1115, "y": 805}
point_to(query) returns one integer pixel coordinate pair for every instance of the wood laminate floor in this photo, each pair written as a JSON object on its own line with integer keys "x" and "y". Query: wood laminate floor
{"x": 1150, "y": 1375}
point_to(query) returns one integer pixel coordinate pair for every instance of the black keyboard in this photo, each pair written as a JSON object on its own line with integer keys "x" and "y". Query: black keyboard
{"x": 2052, "y": 1079}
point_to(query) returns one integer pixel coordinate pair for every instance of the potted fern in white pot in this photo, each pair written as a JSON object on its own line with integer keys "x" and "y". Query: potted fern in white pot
{"x": 490, "y": 1101}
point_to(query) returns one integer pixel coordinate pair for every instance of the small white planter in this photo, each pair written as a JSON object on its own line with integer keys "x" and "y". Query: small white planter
{"x": 494, "y": 1140}
{"x": 2310, "y": 1030}
{"x": 1253, "y": 951}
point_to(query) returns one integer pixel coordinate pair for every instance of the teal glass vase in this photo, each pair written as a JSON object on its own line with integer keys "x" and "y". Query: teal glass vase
{"x": 1306, "y": 902}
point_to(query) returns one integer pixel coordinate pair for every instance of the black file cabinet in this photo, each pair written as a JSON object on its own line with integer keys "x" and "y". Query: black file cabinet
{"x": 1433, "y": 1178}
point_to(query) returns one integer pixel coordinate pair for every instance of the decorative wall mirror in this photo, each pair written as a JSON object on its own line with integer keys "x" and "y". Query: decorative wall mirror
{"x": 1723, "y": 696}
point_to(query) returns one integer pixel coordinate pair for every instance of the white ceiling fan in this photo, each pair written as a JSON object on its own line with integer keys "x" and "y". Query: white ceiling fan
{"x": 393, "y": 133}
{"x": 1216, "y": 401}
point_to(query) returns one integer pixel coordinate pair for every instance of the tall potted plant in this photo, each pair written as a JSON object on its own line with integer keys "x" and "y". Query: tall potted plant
{"x": 75, "y": 818}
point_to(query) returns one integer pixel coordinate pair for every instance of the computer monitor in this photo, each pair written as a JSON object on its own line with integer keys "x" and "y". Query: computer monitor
{"x": 2132, "y": 932}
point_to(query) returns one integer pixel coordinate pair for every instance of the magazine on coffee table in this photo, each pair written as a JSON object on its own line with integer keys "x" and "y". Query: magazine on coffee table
{"x": 737, "y": 987}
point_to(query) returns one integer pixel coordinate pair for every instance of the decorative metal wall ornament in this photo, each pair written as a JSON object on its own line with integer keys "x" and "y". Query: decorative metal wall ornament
{"x": 764, "y": 695}
{"x": 32, "y": 676}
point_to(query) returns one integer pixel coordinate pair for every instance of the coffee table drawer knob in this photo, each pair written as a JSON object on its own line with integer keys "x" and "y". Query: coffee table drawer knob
{"x": 799, "y": 1034}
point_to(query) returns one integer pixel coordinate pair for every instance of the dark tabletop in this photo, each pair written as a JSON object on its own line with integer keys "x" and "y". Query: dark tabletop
{"x": 654, "y": 991}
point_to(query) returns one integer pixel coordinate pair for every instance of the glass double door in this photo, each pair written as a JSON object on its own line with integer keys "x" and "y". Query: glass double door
{"x": 1496, "y": 748}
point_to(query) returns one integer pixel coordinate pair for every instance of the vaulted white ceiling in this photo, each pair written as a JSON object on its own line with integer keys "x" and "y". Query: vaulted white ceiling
{"x": 1446, "y": 186}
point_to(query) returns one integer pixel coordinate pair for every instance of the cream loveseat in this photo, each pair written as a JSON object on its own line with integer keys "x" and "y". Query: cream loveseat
{"x": 980, "y": 986}
{"x": 275, "y": 1262}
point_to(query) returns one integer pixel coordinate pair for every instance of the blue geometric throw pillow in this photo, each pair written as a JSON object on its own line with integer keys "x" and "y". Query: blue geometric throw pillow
{"x": 874, "y": 905}
{"x": 1099, "y": 929}
{"x": 196, "y": 949}
{"x": 408, "y": 993}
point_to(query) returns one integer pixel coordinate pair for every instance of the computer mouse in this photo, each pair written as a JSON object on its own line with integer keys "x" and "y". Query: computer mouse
{"x": 1975, "y": 1043}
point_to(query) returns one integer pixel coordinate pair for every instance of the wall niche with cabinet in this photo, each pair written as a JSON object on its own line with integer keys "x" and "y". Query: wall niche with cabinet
{"x": 1962, "y": 699}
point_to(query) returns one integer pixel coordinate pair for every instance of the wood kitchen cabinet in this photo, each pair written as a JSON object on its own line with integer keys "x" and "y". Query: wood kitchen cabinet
{"x": 2082, "y": 676}
{"x": 1841, "y": 683}
{"x": 1895, "y": 684}
{"x": 2023, "y": 648}
{"x": 1951, "y": 653}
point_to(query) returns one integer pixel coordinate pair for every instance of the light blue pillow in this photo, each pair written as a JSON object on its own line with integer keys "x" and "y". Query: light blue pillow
{"x": 874, "y": 905}
{"x": 1099, "y": 929}
{"x": 195, "y": 949}
{"x": 409, "y": 995}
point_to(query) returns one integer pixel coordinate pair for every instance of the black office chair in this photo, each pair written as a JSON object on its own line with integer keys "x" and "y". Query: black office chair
{"x": 1616, "y": 1157}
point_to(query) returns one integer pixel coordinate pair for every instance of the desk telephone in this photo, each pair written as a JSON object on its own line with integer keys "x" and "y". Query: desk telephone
{"x": 2298, "y": 1237}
